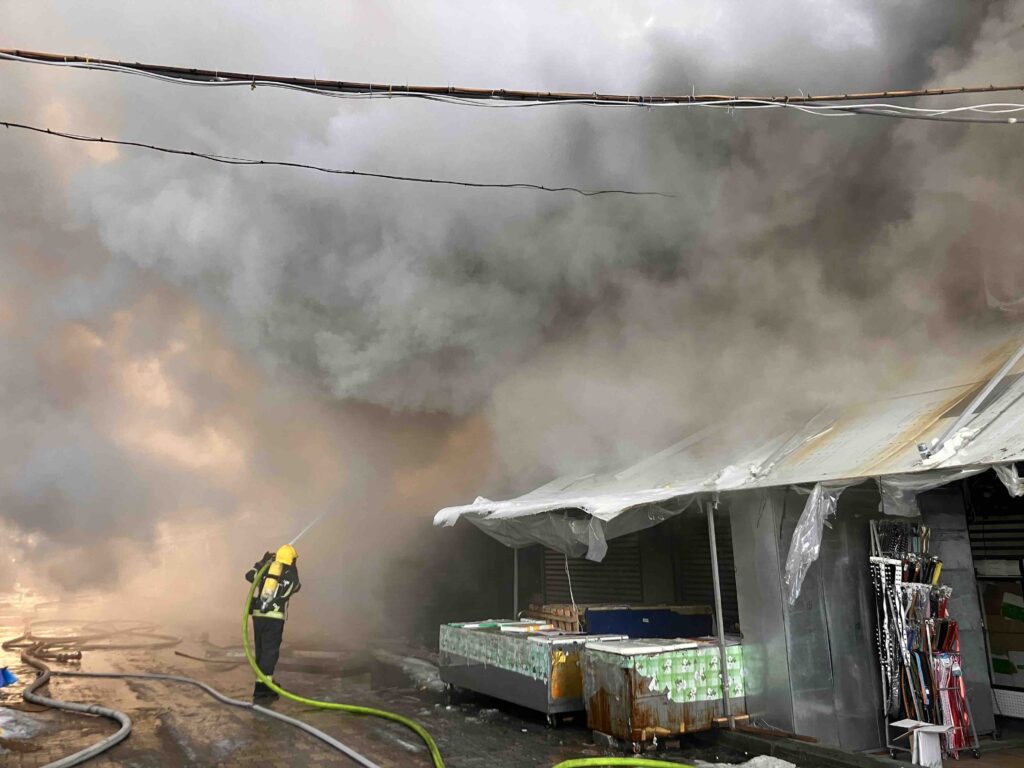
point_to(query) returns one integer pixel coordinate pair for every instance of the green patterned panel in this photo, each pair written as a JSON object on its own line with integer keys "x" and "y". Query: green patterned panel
{"x": 688, "y": 675}
{"x": 494, "y": 648}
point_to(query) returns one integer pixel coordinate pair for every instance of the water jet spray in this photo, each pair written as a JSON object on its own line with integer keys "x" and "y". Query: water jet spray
{"x": 311, "y": 523}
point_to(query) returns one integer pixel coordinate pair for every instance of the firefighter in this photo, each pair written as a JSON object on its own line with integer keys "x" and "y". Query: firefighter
{"x": 268, "y": 609}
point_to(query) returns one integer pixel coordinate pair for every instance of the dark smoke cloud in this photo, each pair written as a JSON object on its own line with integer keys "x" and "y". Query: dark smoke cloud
{"x": 802, "y": 260}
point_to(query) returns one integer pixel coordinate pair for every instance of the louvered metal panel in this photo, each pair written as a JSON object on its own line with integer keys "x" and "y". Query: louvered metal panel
{"x": 616, "y": 579}
{"x": 995, "y": 520}
{"x": 998, "y": 538}
{"x": 693, "y": 565}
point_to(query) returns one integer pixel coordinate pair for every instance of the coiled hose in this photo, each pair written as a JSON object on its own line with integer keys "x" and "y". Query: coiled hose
{"x": 34, "y": 649}
{"x": 347, "y": 751}
{"x": 66, "y": 648}
{"x": 412, "y": 725}
{"x": 89, "y": 752}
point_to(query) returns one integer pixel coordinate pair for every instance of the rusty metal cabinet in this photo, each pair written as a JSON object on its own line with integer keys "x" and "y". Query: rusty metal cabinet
{"x": 636, "y": 690}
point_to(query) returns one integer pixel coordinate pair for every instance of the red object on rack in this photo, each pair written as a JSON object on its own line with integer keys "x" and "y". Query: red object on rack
{"x": 953, "y": 695}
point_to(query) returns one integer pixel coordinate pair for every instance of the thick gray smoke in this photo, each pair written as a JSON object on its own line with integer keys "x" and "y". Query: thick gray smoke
{"x": 291, "y": 340}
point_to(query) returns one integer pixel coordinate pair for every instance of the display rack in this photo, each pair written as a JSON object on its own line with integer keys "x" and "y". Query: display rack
{"x": 918, "y": 641}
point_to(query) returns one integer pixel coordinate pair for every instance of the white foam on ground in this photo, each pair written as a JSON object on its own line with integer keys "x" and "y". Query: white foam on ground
{"x": 761, "y": 761}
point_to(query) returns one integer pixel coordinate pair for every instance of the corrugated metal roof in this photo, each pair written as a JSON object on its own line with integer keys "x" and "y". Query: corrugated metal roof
{"x": 874, "y": 439}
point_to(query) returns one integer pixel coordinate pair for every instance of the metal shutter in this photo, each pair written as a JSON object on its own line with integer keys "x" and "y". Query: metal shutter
{"x": 693, "y": 564}
{"x": 997, "y": 538}
{"x": 616, "y": 579}
{"x": 995, "y": 520}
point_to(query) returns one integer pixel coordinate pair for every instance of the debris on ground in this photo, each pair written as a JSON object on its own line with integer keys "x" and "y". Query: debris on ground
{"x": 423, "y": 674}
{"x": 760, "y": 761}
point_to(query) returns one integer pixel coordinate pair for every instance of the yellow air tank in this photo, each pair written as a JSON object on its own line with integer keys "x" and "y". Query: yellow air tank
{"x": 285, "y": 556}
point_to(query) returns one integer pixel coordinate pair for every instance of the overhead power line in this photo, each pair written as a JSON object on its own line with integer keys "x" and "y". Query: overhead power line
{"x": 392, "y": 89}
{"x": 231, "y": 160}
{"x": 833, "y": 105}
{"x": 880, "y": 112}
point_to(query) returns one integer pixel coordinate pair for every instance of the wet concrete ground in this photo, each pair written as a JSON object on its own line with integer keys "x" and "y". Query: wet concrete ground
{"x": 179, "y": 725}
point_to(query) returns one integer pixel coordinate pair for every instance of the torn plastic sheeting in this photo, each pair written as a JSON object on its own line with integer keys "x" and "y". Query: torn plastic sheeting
{"x": 899, "y": 492}
{"x": 573, "y": 532}
{"x": 605, "y": 506}
{"x": 569, "y": 532}
{"x": 805, "y": 545}
{"x": 1007, "y": 473}
{"x": 562, "y": 531}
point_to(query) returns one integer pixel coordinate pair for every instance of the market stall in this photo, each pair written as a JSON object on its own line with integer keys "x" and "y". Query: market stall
{"x": 522, "y": 662}
{"x": 632, "y": 689}
{"x": 641, "y": 690}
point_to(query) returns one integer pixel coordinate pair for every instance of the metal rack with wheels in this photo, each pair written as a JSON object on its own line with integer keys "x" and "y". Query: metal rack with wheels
{"x": 918, "y": 642}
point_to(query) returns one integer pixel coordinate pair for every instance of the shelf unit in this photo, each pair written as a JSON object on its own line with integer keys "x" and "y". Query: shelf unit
{"x": 918, "y": 642}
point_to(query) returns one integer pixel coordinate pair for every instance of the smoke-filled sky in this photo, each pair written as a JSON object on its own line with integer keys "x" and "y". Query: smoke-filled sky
{"x": 197, "y": 359}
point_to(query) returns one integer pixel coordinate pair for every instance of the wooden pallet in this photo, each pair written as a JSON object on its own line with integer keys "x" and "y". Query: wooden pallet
{"x": 564, "y": 617}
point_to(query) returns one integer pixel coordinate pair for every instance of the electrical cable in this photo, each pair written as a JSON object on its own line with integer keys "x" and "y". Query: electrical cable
{"x": 502, "y": 98}
{"x": 456, "y": 94}
{"x": 939, "y": 118}
{"x": 412, "y": 725}
{"x": 230, "y": 160}
{"x": 568, "y": 579}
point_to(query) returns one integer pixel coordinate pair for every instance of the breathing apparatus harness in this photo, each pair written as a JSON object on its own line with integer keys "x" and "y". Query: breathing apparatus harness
{"x": 274, "y": 586}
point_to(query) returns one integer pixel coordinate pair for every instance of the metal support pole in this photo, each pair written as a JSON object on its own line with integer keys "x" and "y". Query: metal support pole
{"x": 719, "y": 621}
{"x": 515, "y": 583}
{"x": 927, "y": 450}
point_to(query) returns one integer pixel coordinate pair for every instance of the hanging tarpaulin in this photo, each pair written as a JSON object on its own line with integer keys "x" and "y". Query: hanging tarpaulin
{"x": 805, "y": 545}
{"x": 1007, "y": 473}
{"x": 574, "y": 532}
{"x": 899, "y": 492}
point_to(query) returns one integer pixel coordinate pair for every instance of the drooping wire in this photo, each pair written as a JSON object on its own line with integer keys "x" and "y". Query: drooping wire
{"x": 568, "y": 579}
{"x": 231, "y": 160}
{"x": 194, "y": 76}
{"x": 837, "y": 105}
{"x": 936, "y": 117}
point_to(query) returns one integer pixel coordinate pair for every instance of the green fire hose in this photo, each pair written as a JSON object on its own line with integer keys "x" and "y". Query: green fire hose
{"x": 419, "y": 730}
{"x": 412, "y": 725}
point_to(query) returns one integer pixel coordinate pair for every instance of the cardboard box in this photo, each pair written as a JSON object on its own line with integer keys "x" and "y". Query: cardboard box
{"x": 1004, "y": 642}
{"x": 1007, "y": 671}
{"x": 1001, "y": 622}
{"x": 1003, "y": 626}
{"x": 994, "y": 593}
{"x": 1013, "y": 608}
{"x": 1004, "y": 608}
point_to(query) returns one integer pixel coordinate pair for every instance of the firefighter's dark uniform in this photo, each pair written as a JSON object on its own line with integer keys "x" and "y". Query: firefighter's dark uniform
{"x": 268, "y": 625}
